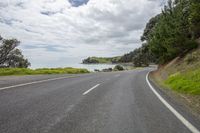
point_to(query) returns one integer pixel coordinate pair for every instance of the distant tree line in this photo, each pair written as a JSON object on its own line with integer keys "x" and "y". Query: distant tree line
{"x": 10, "y": 56}
{"x": 139, "y": 57}
{"x": 101, "y": 60}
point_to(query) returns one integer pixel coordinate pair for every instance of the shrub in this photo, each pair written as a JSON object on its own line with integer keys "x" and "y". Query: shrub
{"x": 118, "y": 68}
{"x": 191, "y": 44}
{"x": 192, "y": 57}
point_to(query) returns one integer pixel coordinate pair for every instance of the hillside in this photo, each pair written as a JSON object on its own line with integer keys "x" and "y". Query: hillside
{"x": 101, "y": 60}
{"x": 181, "y": 78}
{"x": 173, "y": 37}
{"x": 139, "y": 57}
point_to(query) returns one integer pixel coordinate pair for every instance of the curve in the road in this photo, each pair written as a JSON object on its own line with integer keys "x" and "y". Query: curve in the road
{"x": 192, "y": 128}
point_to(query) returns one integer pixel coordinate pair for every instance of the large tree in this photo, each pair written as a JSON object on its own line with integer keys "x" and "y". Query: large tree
{"x": 194, "y": 18}
{"x": 174, "y": 32}
{"x": 10, "y": 56}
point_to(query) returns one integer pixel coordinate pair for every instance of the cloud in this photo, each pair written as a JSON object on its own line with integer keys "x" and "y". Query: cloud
{"x": 57, "y": 29}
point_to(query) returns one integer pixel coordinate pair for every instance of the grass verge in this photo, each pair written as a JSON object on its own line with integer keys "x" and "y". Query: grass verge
{"x": 189, "y": 100}
{"x": 27, "y": 71}
{"x": 188, "y": 82}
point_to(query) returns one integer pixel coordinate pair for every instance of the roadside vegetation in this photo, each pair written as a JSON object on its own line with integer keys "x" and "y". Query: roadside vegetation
{"x": 167, "y": 35}
{"x": 27, "y": 71}
{"x": 13, "y": 62}
{"x": 171, "y": 35}
{"x": 188, "y": 82}
{"x": 10, "y": 55}
{"x": 173, "y": 38}
{"x": 173, "y": 32}
{"x": 118, "y": 68}
{"x": 182, "y": 74}
{"x": 180, "y": 79}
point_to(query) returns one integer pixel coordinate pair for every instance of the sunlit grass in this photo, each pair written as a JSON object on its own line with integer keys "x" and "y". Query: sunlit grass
{"x": 27, "y": 71}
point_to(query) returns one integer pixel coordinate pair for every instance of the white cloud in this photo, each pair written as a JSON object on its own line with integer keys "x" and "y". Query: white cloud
{"x": 100, "y": 28}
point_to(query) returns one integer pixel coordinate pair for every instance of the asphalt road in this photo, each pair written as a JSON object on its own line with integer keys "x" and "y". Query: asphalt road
{"x": 117, "y": 102}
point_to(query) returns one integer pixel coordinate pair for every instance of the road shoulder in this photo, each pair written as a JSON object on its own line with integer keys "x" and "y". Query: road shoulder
{"x": 177, "y": 101}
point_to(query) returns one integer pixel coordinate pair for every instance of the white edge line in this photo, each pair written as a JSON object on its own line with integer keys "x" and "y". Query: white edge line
{"x": 86, "y": 92}
{"x": 35, "y": 82}
{"x": 178, "y": 115}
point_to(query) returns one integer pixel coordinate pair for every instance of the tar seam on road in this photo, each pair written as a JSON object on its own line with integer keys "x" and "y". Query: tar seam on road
{"x": 178, "y": 115}
{"x": 91, "y": 89}
{"x": 35, "y": 82}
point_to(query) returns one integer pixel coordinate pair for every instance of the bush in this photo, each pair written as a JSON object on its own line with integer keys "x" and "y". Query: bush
{"x": 192, "y": 57}
{"x": 190, "y": 44}
{"x": 96, "y": 70}
{"x": 118, "y": 68}
{"x": 107, "y": 70}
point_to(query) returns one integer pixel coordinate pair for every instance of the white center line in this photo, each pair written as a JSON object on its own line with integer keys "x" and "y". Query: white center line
{"x": 91, "y": 89}
{"x": 192, "y": 128}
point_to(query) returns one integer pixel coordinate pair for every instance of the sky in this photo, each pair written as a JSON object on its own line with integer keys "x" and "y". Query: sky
{"x": 59, "y": 32}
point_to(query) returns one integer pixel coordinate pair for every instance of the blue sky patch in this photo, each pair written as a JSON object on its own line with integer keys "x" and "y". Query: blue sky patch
{"x": 77, "y": 3}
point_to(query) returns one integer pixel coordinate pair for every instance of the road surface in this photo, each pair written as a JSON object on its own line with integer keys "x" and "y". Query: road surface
{"x": 117, "y": 102}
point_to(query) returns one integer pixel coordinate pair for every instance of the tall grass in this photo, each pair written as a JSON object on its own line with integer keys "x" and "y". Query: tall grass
{"x": 188, "y": 82}
{"x": 27, "y": 71}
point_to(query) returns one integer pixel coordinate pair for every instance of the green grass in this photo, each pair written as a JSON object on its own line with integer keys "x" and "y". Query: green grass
{"x": 188, "y": 82}
{"x": 27, "y": 71}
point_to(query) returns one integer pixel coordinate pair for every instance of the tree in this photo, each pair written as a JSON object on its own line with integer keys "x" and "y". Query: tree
{"x": 149, "y": 27}
{"x": 118, "y": 68}
{"x": 194, "y": 18}
{"x": 171, "y": 35}
{"x": 10, "y": 56}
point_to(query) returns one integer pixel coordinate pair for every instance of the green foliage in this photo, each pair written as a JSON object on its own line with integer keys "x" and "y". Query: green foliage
{"x": 27, "y": 71}
{"x": 167, "y": 35}
{"x": 118, "y": 68}
{"x": 98, "y": 60}
{"x": 150, "y": 27}
{"x": 190, "y": 44}
{"x": 188, "y": 82}
{"x": 170, "y": 33}
{"x": 194, "y": 17}
{"x": 10, "y": 56}
{"x": 107, "y": 70}
{"x": 140, "y": 57}
{"x": 192, "y": 57}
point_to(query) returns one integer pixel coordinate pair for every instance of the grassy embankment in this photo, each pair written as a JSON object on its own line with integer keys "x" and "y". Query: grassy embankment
{"x": 188, "y": 82}
{"x": 182, "y": 76}
{"x": 27, "y": 71}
